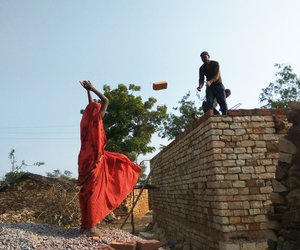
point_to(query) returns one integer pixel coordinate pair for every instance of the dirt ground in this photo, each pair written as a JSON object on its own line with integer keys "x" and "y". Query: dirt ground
{"x": 140, "y": 223}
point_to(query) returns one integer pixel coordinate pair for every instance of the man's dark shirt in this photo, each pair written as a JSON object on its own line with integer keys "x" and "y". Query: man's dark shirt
{"x": 210, "y": 71}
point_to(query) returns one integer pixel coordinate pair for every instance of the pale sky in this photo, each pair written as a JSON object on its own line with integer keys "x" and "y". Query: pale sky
{"x": 47, "y": 46}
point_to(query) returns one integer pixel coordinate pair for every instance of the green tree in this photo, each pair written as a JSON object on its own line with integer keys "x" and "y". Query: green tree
{"x": 12, "y": 176}
{"x": 176, "y": 124}
{"x": 130, "y": 122}
{"x": 285, "y": 89}
{"x": 143, "y": 175}
{"x": 66, "y": 175}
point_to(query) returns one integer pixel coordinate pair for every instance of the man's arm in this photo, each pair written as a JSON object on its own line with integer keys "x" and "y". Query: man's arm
{"x": 216, "y": 73}
{"x": 201, "y": 79}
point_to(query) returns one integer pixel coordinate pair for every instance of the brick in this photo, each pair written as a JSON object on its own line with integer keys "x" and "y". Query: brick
{"x": 217, "y": 144}
{"x": 266, "y": 162}
{"x": 243, "y": 191}
{"x": 246, "y": 143}
{"x": 242, "y": 212}
{"x": 248, "y": 246}
{"x": 225, "y": 198}
{"x": 269, "y": 137}
{"x": 228, "y": 228}
{"x": 242, "y": 227}
{"x": 223, "y": 125}
{"x": 229, "y": 163}
{"x": 221, "y": 220}
{"x": 240, "y": 131}
{"x": 147, "y": 244}
{"x": 225, "y": 138}
{"x": 231, "y": 177}
{"x": 239, "y": 150}
{"x": 228, "y": 132}
{"x": 234, "y": 220}
{"x": 225, "y": 245}
{"x": 256, "y": 204}
{"x": 254, "y": 211}
{"x": 240, "y": 162}
{"x": 267, "y": 190}
{"x": 271, "y": 168}
{"x": 236, "y": 138}
{"x": 236, "y": 205}
{"x": 242, "y": 119}
{"x": 259, "y": 169}
{"x": 222, "y": 212}
{"x": 260, "y": 144}
{"x": 123, "y": 245}
{"x": 269, "y": 176}
{"x": 247, "y": 219}
{"x": 244, "y": 156}
{"x": 228, "y": 191}
{"x": 244, "y": 176}
{"x": 260, "y": 218}
{"x": 239, "y": 184}
{"x": 219, "y": 157}
{"x": 247, "y": 170}
{"x": 106, "y": 248}
{"x": 234, "y": 170}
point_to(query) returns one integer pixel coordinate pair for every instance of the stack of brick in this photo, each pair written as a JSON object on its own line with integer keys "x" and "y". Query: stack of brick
{"x": 284, "y": 214}
{"x": 135, "y": 245}
{"x": 141, "y": 208}
{"x": 214, "y": 181}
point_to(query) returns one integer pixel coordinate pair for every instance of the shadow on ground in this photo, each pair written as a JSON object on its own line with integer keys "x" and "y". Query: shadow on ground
{"x": 140, "y": 223}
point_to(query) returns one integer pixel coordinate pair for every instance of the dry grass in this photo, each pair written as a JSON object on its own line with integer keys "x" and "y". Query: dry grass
{"x": 60, "y": 207}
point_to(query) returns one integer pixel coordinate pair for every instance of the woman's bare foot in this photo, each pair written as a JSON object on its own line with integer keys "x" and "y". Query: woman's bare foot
{"x": 90, "y": 232}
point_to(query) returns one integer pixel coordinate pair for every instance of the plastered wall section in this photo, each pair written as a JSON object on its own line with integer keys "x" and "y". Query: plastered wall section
{"x": 214, "y": 181}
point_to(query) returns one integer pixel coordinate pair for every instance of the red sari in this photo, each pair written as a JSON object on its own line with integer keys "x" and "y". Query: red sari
{"x": 106, "y": 178}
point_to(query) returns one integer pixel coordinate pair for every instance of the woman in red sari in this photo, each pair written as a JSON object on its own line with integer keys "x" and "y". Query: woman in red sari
{"x": 105, "y": 178}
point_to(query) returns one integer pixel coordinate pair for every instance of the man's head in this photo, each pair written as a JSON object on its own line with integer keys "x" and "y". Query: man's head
{"x": 227, "y": 92}
{"x": 204, "y": 56}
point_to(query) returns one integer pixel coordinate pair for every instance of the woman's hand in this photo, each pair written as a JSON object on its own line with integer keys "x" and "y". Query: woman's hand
{"x": 87, "y": 85}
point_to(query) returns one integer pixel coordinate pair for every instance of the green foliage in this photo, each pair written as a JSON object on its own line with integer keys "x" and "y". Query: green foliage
{"x": 143, "y": 175}
{"x": 12, "y": 176}
{"x": 176, "y": 124}
{"x": 285, "y": 89}
{"x": 130, "y": 122}
{"x": 66, "y": 175}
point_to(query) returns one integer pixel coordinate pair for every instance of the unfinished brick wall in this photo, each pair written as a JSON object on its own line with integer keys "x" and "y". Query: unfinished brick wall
{"x": 214, "y": 180}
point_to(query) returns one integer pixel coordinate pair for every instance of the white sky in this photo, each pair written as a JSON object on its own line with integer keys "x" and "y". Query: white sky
{"x": 47, "y": 46}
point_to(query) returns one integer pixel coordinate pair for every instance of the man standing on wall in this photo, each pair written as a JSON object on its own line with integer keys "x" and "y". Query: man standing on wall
{"x": 215, "y": 104}
{"x": 214, "y": 86}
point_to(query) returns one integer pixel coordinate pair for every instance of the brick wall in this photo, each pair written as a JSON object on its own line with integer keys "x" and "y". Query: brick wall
{"x": 214, "y": 180}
